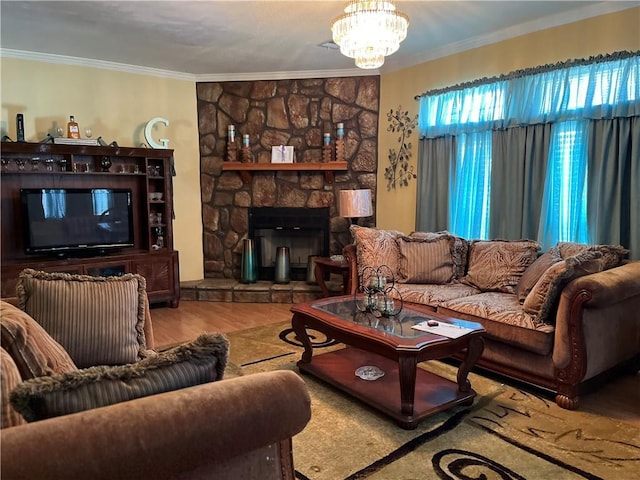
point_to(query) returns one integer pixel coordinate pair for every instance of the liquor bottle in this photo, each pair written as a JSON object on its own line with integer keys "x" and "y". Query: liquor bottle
{"x": 73, "y": 131}
{"x": 20, "y": 127}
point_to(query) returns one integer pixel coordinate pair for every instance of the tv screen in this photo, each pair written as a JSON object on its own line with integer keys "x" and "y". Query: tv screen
{"x": 76, "y": 220}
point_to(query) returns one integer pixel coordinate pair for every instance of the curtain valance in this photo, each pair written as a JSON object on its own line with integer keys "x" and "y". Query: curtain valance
{"x": 607, "y": 86}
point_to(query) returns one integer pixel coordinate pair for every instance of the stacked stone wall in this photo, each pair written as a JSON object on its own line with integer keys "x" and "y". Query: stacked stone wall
{"x": 281, "y": 112}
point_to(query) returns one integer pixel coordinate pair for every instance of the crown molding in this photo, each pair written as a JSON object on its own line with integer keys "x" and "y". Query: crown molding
{"x": 87, "y": 62}
{"x": 156, "y": 72}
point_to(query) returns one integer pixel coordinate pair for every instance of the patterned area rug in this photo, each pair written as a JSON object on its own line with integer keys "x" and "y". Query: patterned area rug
{"x": 507, "y": 433}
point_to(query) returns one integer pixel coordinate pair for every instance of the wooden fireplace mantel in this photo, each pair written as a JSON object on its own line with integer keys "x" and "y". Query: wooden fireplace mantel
{"x": 246, "y": 169}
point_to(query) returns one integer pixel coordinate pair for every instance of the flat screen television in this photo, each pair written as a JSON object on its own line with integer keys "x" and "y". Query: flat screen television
{"x": 72, "y": 221}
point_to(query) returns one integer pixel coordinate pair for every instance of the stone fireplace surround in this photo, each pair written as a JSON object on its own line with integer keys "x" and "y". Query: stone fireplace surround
{"x": 281, "y": 112}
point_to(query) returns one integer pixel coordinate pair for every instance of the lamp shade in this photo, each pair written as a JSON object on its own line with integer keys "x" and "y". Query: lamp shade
{"x": 355, "y": 203}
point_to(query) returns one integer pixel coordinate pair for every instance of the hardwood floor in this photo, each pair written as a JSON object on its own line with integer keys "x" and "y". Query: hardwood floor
{"x": 191, "y": 318}
{"x": 618, "y": 399}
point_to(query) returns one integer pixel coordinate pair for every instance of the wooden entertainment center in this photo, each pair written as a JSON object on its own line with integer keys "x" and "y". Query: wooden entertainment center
{"x": 144, "y": 171}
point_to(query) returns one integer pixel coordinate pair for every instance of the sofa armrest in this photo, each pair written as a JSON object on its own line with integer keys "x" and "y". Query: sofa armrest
{"x": 350, "y": 255}
{"x": 170, "y": 435}
{"x": 597, "y": 323}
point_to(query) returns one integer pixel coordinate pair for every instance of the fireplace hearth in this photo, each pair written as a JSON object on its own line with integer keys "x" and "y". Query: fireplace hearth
{"x": 305, "y": 231}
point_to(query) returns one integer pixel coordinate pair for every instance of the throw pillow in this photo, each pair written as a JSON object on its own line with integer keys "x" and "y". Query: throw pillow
{"x": 200, "y": 361}
{"x": 497, "y": 265}
{"x": 98, "y": 320}
{"x": 375, "y": 248}
{"x": 459, "y": 251}
{"x": 425, "y": 260}
{"x": 33, "y": 350}
{"x": 9, "y": 379}
{"x": 535, "y": 271}
{"x": 543, "y": 298}
{"x": 612, "y": 255}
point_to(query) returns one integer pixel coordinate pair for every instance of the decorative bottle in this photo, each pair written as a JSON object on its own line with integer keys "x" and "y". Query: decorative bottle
{"x": 73, "y": 131}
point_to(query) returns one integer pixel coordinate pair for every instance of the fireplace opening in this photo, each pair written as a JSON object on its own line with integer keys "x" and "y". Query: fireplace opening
{"x": 305, "y": 231}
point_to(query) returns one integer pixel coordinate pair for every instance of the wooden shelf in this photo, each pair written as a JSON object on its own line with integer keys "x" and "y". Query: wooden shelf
{"x": 328, "y": 168}
{"x": 144, "y": 171}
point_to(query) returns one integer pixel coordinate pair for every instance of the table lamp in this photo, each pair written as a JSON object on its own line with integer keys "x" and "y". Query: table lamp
{"x": 355, "y": 204}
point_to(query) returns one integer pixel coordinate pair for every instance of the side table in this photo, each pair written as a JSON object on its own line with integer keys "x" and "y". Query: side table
{"x": 326, "y": 265}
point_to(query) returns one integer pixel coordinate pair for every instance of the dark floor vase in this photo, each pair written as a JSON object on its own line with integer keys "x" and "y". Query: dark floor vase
{"x": 283, "y": 265}
{"x": 248, "y": 271}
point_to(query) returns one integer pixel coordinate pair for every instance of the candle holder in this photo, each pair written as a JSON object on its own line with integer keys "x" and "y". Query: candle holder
{"x": 326, "y": 153}
{"x": 375, "y": 293}
{"x": 340, "y": 149}
{"x": 232, "y": 151}
{"x": 246, "y": 155}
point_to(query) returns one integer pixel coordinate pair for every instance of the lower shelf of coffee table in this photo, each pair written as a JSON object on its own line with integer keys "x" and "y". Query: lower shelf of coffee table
{"x": 433, "y": 393}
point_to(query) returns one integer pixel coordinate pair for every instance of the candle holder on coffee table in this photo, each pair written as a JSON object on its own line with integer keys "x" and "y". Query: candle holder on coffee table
{"x": 377, "y": 293}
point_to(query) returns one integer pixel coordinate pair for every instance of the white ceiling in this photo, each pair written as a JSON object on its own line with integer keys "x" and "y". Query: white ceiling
{"x": 243, "y": 40}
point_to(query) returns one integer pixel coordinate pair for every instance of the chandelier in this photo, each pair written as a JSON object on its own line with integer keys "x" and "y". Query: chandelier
{"x": 369, "y": 30}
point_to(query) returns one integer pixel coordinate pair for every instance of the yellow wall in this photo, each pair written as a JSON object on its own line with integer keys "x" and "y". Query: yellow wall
{"x": 604, "y": 34}
{"x": 116, "y": 106}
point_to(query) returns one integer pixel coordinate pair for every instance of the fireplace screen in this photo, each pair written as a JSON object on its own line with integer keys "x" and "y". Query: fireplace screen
{"x": 305, "y": 231}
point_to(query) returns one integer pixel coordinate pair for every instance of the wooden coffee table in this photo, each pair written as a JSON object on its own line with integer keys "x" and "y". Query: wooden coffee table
{"x": 406, "y": 393}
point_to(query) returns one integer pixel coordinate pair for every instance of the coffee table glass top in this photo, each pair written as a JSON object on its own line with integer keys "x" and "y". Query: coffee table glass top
{"x": 399, "y": 325}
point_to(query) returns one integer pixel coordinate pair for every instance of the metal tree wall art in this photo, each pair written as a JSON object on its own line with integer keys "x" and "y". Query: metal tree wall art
{"x": 399, "y": 172}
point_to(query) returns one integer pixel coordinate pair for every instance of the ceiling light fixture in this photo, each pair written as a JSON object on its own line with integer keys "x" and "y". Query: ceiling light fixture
{"x": 369, "y": 30}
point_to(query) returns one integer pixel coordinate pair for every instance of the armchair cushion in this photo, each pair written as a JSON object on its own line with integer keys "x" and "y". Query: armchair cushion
{"x": 200, "y": 361}
{"x": 98, "y": 320}
{"x": 33, "y": 350}
{"x": 9, "y": 379}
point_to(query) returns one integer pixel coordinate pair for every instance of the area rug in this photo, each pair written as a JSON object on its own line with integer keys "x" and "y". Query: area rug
{"x": 508, "y": 433}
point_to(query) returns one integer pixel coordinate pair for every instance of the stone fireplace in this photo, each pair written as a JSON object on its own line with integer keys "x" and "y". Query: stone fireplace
{"x": 282, "y": 112}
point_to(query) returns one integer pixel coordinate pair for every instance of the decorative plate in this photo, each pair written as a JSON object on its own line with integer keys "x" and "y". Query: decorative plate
{"x": 369, "y": 372}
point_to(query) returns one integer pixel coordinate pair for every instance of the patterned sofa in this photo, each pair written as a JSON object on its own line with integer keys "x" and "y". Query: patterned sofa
{"x": 561, "y": 320}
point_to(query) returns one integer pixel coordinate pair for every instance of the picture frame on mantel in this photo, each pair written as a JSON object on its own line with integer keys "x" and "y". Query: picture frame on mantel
{"x": 282, "y": 154}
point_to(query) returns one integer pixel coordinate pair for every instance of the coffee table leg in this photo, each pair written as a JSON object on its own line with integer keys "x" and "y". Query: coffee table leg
{"x": 474, "y": 350}
{"x": 407, "y": 372}
{"x": 298, "y": 325}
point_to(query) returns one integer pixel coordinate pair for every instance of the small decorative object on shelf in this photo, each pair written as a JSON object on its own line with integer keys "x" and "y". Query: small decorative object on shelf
{"x": 105, "y": 163}
{"x": 340, "y": 149}
{"x": 20, "y": 127}
{"x": 340, "y": 142}
{"x": 246, "y": 155}
{"x": 326, "y": 153}
{"x": 231, "y": 133}
{"x": 376, "y": 287}
{"x": 73, "y": 131}
{"x": 232, "y": 151}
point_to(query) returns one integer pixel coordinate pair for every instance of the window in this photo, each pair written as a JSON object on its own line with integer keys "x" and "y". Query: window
{"x": 567, "y": 98}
